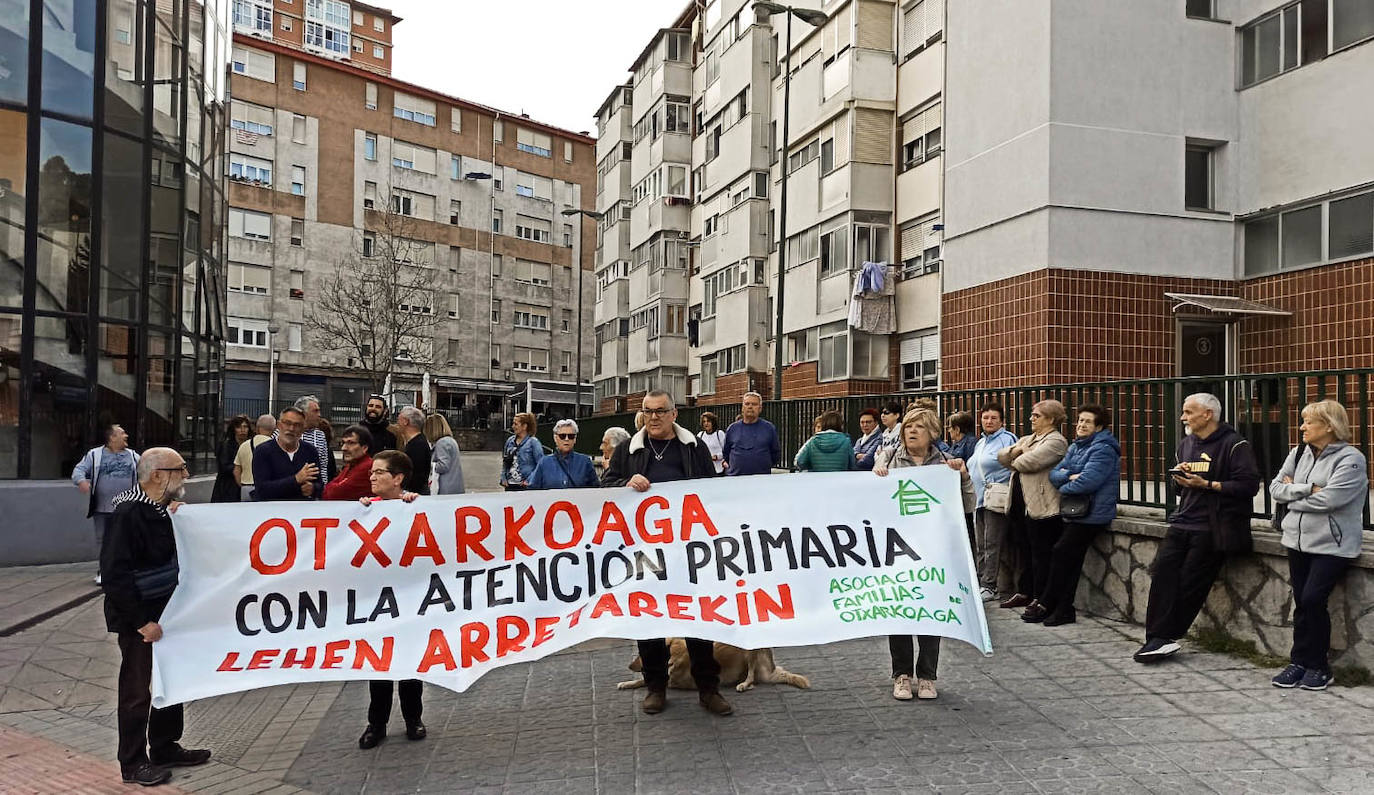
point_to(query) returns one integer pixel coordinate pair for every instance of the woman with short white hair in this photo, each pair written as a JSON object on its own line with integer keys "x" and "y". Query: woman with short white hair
{"x": 611, "y": 439}
{"x": 1319, "y": 496}
{"x": 566, "y": 468}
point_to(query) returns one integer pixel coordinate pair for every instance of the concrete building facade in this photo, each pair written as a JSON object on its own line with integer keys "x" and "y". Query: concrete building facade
{"x": 329, "y": 163}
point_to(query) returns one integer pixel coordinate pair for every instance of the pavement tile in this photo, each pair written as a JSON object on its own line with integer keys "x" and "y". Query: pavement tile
{"x": 1340, "y": 779}
{"x": 1200, "y": 757}
{"x": 1262, "y": 723}
{"x": 1259, "y": 782}
{"x": 1112, "y": 784}
{"x": 1315, "y": 751}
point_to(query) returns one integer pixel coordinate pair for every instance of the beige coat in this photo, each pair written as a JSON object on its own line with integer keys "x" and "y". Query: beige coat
{"x": 1030, "y": 461}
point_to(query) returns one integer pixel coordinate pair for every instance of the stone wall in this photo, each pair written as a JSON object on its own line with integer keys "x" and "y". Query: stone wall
{"x": 1251, "y": 600}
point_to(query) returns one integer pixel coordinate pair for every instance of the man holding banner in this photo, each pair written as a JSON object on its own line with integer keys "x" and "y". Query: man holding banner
{"x": 662, "y": 451}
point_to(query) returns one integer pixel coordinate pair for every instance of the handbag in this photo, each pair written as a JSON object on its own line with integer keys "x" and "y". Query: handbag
{"x": 1075, "y": 506}
{"x": 1281, "y": 508}
{"x": 997, "y": 497}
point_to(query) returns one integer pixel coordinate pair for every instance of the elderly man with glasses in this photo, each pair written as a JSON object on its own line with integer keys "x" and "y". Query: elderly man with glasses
{"x": 565, "y": 469}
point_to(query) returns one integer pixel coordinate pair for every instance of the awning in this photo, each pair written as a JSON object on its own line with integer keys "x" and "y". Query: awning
{"x": 1225, "y": 304}
{"x": 472, "y": 385}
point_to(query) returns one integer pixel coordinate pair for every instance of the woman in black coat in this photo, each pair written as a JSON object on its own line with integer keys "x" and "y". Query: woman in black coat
{"x": 236, "y": 431}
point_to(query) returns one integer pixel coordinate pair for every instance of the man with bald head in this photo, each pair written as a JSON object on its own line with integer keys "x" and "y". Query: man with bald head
{"x": 139, "y": 568}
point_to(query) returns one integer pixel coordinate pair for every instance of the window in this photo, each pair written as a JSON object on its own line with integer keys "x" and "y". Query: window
{"x": 455, "y": 120}
{"x": 496, "y": 263}
{"x": 413, "y": 204}
{"x": 378, "y": 52}
{"x": 298, "y": 180}
{"x": 412, "y": 156}
{"x": 250, "y": 169}
{"x": 1199, "y": 8}
{"x": 246, "y": 278}
{"x": 255, "y": 64}
{"x": 298, "y": 75}
{"x": 567, "y": 151}
{"x": 286, "y": 24}
{"x": 827, "y": 156}
{"x": 871, "y": 243}
{"x": 298, "y": 285}
{"x": 1302, "y": 236}
{"x": 369, "y": 244}
{"x": 1298, "y": 34}
{"x": 1351, "y": 226}
{"x": 922, "y": 24}
{"x": 416, "y": 109}
{"x": 530, "y": 359}
{"x": 327, "y": 26}
{"x": 1351, "y": 21}
{"x": 496, "y": 218}
{"x": 250, "y": 118}
{"x": 253, "y": 15}
{"x": 567, "y": 235}
{"x": 495, "y": 317}
{"x": 536, "y": 143}
{"x": 922, "y": 136}
{"x": 370, "y": 146}
{"x": 530, "y": 317}
{"x": 532, "y": 272}
{"x": 369, "y": 195}
{"x": 298, "y": 128}
{"x": 357, "y": 45}
{"x": 498, "y": 131}
{"x": 254, "y": 226}
{"x": 804, "y": 346}
{"x": 1197, "y": 177}
{"x": 566, "y": 324}
{"x": 455, "y": 211}
{"x": 531, "y": 229}
{"x": 566, "y": 367}
{"x": 731, "y": 360}
{"x": 246, "y": 333}
{"x": 708, "y": 376}
{"x": 455, "y": 301}
{"x": 378, "y": 24}
{"x": 833, "y": 354}
{"x": 803, "y": 156}
{"x": 298, "y": 231}
{"x": 803, "y": 247}
{"x": 370, "y": 97}
{"x": 835, "y": 251}
{"x": 921, "y": 247}
{"x": 919, "y": 356}
{"x": 455, "y": 258}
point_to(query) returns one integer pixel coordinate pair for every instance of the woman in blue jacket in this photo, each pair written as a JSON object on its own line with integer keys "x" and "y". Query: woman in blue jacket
{"x": 1091, "y": 469}
{"x": 565, "y": 469}
{"x": 521, "y": 454}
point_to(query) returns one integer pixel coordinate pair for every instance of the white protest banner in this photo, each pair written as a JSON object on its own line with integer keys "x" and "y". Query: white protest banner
{"x": 445, "y": 589}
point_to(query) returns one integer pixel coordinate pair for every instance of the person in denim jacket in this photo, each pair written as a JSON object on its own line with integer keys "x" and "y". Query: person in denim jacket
{"x": 522, "y": 453}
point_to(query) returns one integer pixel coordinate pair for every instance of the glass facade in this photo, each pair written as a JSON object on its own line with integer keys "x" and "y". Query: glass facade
{"x": 112, "y": 222}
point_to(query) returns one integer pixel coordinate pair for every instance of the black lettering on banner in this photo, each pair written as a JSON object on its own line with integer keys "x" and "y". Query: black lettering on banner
{"x": 563, "y": 596}
{"x": 494, "y": 581}
{"x": 465, "y": 577}
{"x": 436, "y": 594}
{"x": 247, "y": 600}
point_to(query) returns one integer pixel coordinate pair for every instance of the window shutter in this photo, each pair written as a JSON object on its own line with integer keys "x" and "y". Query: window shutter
{"x": 875, "y": 25}
{"x": 913, "y": 239}
{"x": 935, "y": 17}
{"x": 913, "y": 27}
{"x": 872, "y": 136}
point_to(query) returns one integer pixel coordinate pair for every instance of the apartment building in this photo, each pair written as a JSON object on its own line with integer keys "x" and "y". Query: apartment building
{"x": 329, "y": 163}
{"x": 1162, "y": 188}
{"x": 611, "y": 317}
{"x": 355, "y": 33}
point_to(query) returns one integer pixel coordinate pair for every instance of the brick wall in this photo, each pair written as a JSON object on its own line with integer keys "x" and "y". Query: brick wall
{"x": 1332, "y": 326}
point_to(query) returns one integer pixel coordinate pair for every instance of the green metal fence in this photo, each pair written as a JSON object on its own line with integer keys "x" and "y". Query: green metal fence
{"x": 1265, "y": 408}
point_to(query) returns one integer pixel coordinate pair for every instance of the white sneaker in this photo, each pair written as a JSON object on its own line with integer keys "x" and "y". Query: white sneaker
{"x": 97, "y": 579}
{"x": 988, "y": 595}
{"x": 901, "y": 689}
{"x": 925, "y": 689}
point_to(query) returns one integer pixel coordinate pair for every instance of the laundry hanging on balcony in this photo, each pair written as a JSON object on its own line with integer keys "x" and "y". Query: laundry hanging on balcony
{"x": 870, "y": 310}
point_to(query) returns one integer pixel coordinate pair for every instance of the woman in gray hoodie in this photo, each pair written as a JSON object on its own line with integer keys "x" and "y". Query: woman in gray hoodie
{"x": 1323, "y": 486}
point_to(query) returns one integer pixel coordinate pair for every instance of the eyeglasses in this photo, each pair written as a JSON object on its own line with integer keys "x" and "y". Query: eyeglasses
{"x": 566, "y": 435}
{"x": 383, "y": 472}
{"x": 181, "y": 468}
{"x": 656, "y": 412}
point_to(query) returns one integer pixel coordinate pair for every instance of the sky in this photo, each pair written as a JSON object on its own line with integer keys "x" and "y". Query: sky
{"x": 553, "y": 59}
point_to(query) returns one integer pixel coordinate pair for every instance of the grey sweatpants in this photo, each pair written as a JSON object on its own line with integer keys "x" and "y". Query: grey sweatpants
{"x": 102, "y": 523}
{"x": 991, "y": 529}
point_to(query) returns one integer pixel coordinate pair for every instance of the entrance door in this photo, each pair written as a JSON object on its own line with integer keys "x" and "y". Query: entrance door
{"x": 1202, "y": 348}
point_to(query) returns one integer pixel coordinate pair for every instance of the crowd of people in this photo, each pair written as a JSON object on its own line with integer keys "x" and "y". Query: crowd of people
{"x": 1033, "y": 506}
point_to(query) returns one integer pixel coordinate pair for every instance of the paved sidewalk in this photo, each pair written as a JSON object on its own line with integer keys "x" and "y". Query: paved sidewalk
{"x": 1054, "y": 710}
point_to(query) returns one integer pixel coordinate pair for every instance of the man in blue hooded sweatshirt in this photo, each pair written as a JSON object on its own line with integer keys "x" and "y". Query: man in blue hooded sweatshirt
{"x": 751, "y": 444}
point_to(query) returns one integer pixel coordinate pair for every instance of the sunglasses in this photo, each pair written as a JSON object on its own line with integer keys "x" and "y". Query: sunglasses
{"x": 566, "y": 435}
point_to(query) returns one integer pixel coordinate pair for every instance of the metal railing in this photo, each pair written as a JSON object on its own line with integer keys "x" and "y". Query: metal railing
{"x": 1263, "y": 407}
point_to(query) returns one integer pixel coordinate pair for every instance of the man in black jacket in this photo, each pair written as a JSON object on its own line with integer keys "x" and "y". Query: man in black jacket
{"x": 375, "y": 420}
{"x": 139, "y": 568}
{"x": 287, "y": 468}
{"x": 1218, "y": 484}
{"x": 661, "y": 452}
{"x": 409, "y": 422}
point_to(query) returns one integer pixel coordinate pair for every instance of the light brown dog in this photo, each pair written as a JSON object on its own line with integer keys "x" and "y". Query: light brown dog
{"x": 736, "y": 665}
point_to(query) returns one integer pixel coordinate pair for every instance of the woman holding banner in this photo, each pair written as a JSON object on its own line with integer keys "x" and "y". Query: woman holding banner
{"x": 920, "y": 430}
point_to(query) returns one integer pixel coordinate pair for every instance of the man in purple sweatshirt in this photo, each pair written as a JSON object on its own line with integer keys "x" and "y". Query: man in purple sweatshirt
{"x": 751, "y": 444}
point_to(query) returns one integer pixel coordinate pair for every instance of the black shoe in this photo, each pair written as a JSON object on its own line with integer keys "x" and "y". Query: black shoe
{"x": 1060, "y": 617}
{"x": 654, "y": 702}
{"x": 1016, "y": 600}
{"x": 1035, "y": 613}
{"x": 416, "y": 731}
{"x": 146, "y": 774}
{"x": 1156, "y": 649}
{"x": 372, "y": 736}
{"x": 181, "y": 757}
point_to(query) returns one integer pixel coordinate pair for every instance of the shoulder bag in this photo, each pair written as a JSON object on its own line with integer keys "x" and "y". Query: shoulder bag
{"x": 1281, "y": 508}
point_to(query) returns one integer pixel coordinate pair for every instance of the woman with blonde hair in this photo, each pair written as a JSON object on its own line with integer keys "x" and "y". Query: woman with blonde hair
{"x": 1034, "y": 512}
{"x": 446, "y": 472}
{"x": 521, "y": 454}
{"x": 920, "y": 430}
{"x": 1322, "y": 488}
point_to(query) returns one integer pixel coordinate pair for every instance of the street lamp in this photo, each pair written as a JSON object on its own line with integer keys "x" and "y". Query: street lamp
{"x": 577, "y": 263}
{"x": 814, "y": 18}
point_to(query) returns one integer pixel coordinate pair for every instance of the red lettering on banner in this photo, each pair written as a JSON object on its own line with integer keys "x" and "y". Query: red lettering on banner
{"x": 333, "y": 653}
{"x": 514, "y": 543}
{"x": 612, "y": 521}
{"x": 475, "y": 637}
{"x": 677, "y": 606}
{"x": 421, "y": 542}
{"x": 543, "y": 629}
{"x": 255, "y": 547}
{"x": 606, "y": 604}
{"x": 506, "y": 642}
{"x": 262, "y": 658}
{"x": 321, "y": 526}
{"x": 437, "y": 652}
{"x": 664, "y": 526}
{"x": 764, "y": 606}
{"x": 643, "y": 604}
{"x": 468, "y": 541}
{"x": 693, "y": 513}
{"x": 575, "y": 616}
{"x": 368, "y": 542}
{"x": 294, "y": 660}
{"x": 230, "y": 660}
{"x": 562, "y": 506}
{"x": 709, "y": 605}
{"x": 364, "y": 653}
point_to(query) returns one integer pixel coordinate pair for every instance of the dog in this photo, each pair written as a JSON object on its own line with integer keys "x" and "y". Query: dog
{"x": 736, "y": 665}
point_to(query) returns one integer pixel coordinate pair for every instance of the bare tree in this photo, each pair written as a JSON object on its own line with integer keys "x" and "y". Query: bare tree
{"x": 378, "y": 305}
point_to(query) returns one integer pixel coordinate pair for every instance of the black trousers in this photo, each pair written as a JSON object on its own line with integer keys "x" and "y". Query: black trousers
{"x": 1041, "y": 536}
{"x": 141, "y": 726}
{"x": 1313, "y": 577}
{"x": 1066, "y": 565}
{"x": 379, "y": 706}
{"x": 1181, "y": 577}
{"x": 653, "y": 657}
{"x": 927, "y": 664}
{"x": 1016, "y": 554}
{"x": 972, "y": 539}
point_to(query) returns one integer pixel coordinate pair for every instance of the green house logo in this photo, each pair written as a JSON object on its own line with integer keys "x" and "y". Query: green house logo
{"x": 912, "y": 500}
